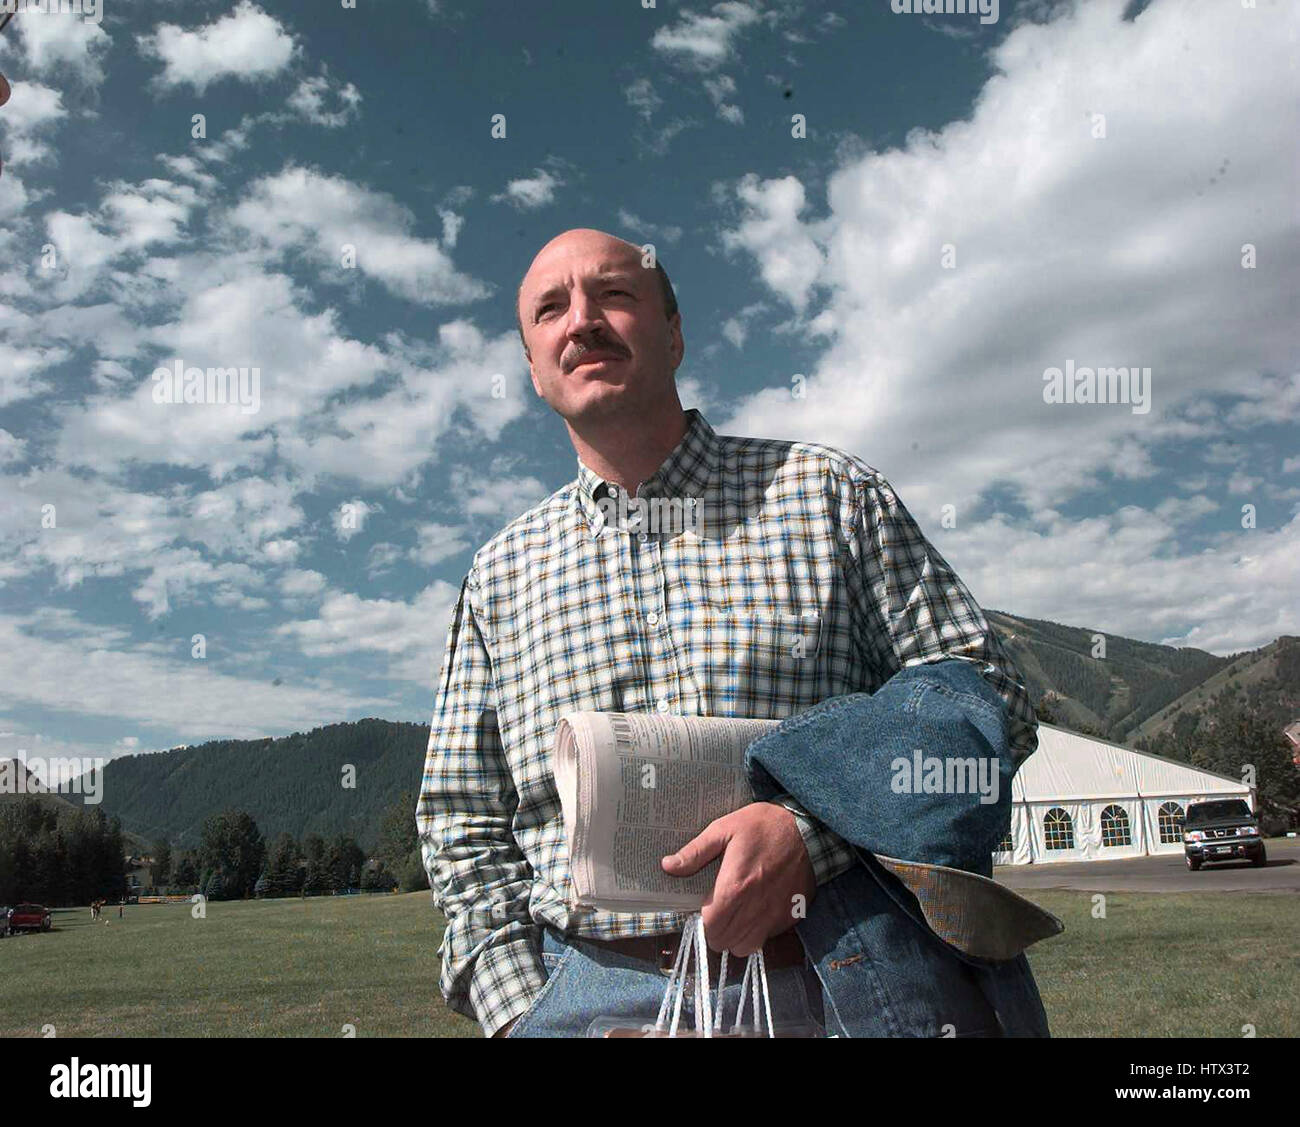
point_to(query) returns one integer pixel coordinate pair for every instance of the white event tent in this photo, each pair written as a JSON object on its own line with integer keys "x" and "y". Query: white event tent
{"x": 1082, "y": 799}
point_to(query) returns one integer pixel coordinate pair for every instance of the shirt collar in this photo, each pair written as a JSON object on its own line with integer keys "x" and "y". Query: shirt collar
{"x": 684, "y": 473}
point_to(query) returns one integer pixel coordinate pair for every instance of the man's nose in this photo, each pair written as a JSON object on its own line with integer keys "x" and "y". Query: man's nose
{"x": 585, "y": 316}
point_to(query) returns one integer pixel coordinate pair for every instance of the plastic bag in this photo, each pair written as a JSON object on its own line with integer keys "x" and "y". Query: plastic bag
{"x": 708, "y": 1010}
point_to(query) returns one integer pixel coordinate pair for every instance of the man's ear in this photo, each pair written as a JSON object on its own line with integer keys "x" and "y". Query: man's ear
{"x": 676, "y": 342}
{"x": 532, "y": 372}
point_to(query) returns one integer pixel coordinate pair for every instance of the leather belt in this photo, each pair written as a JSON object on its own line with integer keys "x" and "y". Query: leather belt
{"x": 779, "y": 952}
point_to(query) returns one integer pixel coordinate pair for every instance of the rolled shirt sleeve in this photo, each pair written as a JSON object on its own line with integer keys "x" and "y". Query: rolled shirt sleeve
{"x": 910, "y": 608}
{"x": 829, "y": 853}
{"x": 492, "y": 965}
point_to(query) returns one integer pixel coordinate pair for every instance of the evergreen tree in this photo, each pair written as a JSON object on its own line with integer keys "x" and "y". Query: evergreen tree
{"x": 161, "y": 872}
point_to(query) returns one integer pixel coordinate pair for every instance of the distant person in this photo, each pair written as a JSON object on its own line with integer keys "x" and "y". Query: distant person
{"x": 579, "y": 605}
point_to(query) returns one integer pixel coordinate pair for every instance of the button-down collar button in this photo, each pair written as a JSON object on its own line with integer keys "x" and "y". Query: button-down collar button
{"x": 663, "y": 705}
{"x": 652, "y": 618}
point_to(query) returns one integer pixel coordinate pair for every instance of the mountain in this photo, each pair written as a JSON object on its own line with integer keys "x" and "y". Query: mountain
{"x": 1111, "y": 694}
{"x": 299, "y": 783}
{"x": 1267, "y": 680}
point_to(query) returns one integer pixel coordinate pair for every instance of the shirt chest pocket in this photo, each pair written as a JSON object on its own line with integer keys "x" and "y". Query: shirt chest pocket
{"x": 757, "y": 663}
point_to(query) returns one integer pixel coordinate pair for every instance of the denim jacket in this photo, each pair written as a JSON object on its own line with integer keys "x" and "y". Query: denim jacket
{"x": 897, "y": 939}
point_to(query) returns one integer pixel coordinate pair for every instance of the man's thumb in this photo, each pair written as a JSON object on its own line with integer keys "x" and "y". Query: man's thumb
{"x": 696, "y": 853}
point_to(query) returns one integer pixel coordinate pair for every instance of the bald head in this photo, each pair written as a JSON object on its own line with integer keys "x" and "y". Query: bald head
{"x": 610, "y": 246}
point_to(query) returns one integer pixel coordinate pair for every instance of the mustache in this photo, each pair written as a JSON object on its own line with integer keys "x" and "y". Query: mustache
{"x": 575, "y": 358}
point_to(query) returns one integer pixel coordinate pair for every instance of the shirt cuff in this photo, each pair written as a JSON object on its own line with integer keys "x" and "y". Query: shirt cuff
{"x": 829, "y": 853}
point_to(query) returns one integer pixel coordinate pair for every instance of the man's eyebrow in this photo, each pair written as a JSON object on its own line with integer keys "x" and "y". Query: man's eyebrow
{"x": 599, "y": 276}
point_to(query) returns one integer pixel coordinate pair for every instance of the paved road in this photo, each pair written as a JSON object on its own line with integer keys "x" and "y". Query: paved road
{"x": 1166, "y": 873}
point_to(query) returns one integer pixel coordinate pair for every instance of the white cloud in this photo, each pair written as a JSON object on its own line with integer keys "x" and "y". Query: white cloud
{"x": 88, "y": 671}
{"x": 788, "y": 255}
{"x": 308, "y": 101}
{"x": 62, "y": 44}
{"x": 1122, "y": 251}
{"x": 305, "y": 210}
{"x": 102, "y": 530}
{"x": 302, "y": 583}
{"x": 410, "y": 634}
{"x": 643, "y": 230}
{"x": 719, "y": 90}
{"x": 11, "y": 448}
{"x": 705, "y": 41}
{"x": 350, "y": 518}
{"x": 31, "y": 112}
{"x": 641, "y": 96}
{"x": 247, "y": 44}
{"x": 1108, "y": 252}
{"x": 1125, "y": 576}
{"x": 437, "y": 542}
{"x": 529, "y": 193}
{"x": 494, "y": 493}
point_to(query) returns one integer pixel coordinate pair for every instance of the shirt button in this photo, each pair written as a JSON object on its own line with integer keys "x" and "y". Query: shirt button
{"x": 663, "y": 704}
{"x": 652, "y": 618}
{"x": 642, "y": 537}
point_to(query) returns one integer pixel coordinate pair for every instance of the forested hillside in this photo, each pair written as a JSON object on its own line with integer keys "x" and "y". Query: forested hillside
{"x": 298, "y": 784}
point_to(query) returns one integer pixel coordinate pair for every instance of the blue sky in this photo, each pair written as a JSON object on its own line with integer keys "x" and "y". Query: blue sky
{"x": 972, "y": 205}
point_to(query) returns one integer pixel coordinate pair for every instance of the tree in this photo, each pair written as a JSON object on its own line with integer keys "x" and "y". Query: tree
{"x": 343, "y": 862}
{"x": 185, "y": 873}
{"x": 282, "y": 873}
{"x": 399, "y": 845}
{"x": 161, "y": 872}
{"x": 231, "y": 846}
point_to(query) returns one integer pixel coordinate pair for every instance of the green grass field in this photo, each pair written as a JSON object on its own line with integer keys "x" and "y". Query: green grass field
{"x": 1190, "y": 964}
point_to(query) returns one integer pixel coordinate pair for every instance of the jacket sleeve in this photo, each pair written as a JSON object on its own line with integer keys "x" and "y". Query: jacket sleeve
{"x": 492, "y": 966}
{"x": 909, "y": 607}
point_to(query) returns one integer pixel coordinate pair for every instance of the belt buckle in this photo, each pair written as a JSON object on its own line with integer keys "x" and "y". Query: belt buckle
{"x": 667, "y": 957}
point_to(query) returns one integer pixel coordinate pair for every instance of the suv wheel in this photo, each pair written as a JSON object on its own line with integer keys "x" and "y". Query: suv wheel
{"x": 1260, "y": 861}
{"x": 1193, "y": 863}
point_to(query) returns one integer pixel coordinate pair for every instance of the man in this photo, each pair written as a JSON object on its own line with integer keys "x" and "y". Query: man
{"x": 802, "y": 578}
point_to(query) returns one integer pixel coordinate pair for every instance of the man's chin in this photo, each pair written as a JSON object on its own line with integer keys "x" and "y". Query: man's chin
{"x": 599, "y": 400}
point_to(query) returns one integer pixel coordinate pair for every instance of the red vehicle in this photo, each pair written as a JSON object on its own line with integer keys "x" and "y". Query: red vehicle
{"x": 29, "y": 917}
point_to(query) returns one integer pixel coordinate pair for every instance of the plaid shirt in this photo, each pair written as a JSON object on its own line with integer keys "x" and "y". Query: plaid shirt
{"x": 797, "y": 575}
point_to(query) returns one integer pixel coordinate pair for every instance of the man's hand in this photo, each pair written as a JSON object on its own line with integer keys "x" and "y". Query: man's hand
{"x": 764, "y": 867}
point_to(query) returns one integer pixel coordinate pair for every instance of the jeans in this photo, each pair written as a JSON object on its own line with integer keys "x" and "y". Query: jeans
{"x": 586, "y": 981}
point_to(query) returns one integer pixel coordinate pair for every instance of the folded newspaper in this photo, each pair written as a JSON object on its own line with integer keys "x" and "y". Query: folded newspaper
{"x": 635, "y": 787}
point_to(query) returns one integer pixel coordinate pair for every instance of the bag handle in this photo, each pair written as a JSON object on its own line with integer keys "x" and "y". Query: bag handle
{"x": 709, "y": 1015}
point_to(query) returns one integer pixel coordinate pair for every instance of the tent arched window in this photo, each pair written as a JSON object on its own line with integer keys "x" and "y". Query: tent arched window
{"x": 1170, "y": 820}
{"x": 1007, "y": 844}
{"x": 1115, "y": 827}
{"x": 1058, "y": 829}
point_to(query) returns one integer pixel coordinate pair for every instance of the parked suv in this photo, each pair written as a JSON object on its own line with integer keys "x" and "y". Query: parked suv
{"x": 31, "y": 917}
{"x": 1222, "y": 830}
